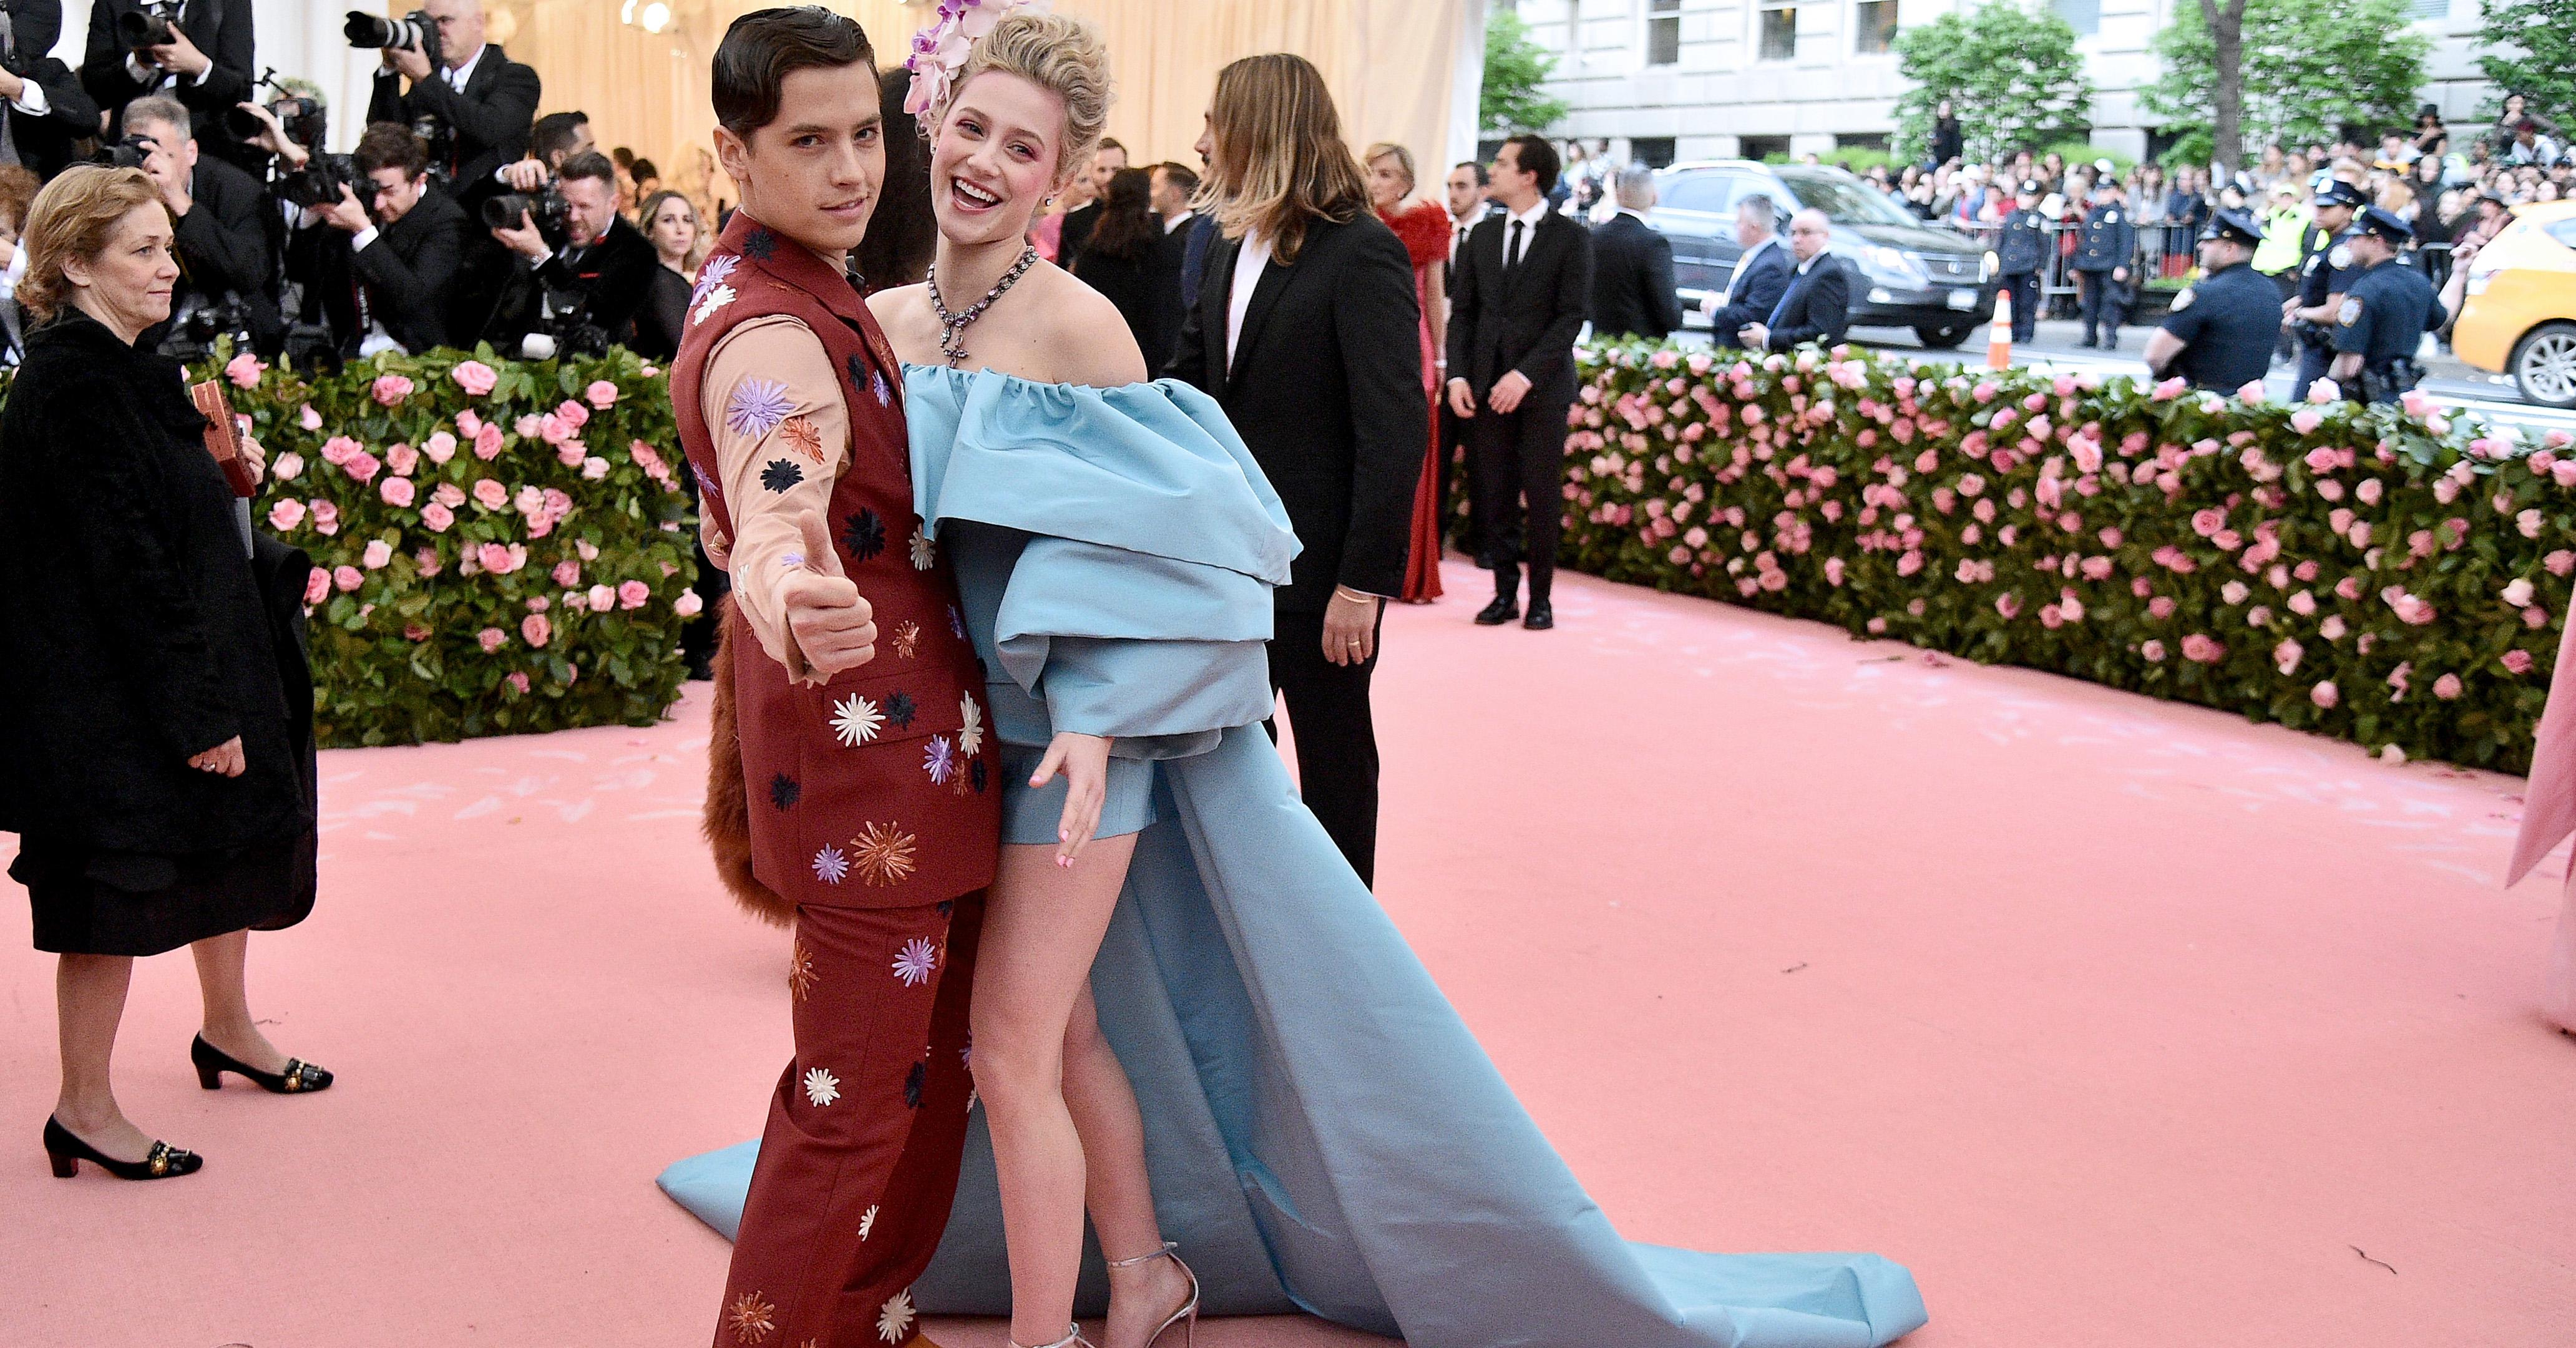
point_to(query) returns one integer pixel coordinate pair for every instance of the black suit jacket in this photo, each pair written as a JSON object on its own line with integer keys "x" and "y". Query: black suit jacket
{"x": 1632, "y": 280}
{"x": 1818, "y": 306}
{"x": 1326, "y": 389}
{"x": 219, "y": 28}
{"x": 410, "y": 268}
{"x": 492, "y": 117}
{"x": 616, "y": 274}
{"x": 1078, "y": 224}
{"x": 1526, "y": 321}
{"x": 1760, "y": 280}
{"x": 44, "y": 144}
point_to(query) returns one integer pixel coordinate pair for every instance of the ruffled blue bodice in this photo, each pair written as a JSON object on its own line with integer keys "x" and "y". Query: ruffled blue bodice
{"x": 1116, "y": 549}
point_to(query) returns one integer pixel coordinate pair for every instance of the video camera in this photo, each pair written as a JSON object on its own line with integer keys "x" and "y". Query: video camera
{"x": 151, "y": 23}
{"x": 371, "y": 32}
{"x": 194, "y": 336}
{"x": 547, "y": 210}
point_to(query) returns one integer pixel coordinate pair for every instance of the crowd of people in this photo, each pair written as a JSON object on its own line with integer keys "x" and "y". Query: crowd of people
{"x": 462, "y": 216}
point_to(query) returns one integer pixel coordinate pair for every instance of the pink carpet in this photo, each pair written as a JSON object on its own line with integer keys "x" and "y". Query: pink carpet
{"x": 2121, "y": 1023}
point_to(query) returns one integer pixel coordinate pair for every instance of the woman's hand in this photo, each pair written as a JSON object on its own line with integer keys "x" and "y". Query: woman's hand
{"x": 1084, "y": 761}
{"x": 272, "y": 135}
{"x": 226, "y": 759}
{"x": 257, "y": 455}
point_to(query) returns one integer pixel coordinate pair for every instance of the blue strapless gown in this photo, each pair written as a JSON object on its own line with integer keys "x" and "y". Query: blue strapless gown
{"x": 1324, "y": 1134}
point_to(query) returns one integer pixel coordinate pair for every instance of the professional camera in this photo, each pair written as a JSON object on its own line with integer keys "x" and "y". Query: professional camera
{"x": 416, "y": 29}
{"x": 302, "y": 119}
{"x": 127, "y": 153}
{"x": 318, "y": 183}
{"x": 547, "y": 209}
{"x": 193, "y": 337}
{"x": 437, "y": 141}
{"x": 152, "y": 23}
{"x": 565, "y": 329}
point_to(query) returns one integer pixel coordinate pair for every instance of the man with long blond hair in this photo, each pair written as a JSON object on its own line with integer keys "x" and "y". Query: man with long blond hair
{"x": 1304, "y": 333}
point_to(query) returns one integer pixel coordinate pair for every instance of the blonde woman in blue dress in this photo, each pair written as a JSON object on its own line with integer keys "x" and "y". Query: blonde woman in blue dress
{"x": 1318, "y": 1130}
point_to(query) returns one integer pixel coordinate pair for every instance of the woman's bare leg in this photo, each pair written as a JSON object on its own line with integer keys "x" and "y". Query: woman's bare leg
{"x": 1042, "y": 928}
{"x": 89, "y": 1000}
{"x": 222, "y": 980}
{"x": 1121, "y": 1199}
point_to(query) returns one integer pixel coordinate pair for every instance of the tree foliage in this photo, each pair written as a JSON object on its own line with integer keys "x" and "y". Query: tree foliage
{"x": 1515, "y": 69}
{"x": 2530, "y": 49}
{"x": 2310, "y": 69}
{"x": 2013, "y": 78}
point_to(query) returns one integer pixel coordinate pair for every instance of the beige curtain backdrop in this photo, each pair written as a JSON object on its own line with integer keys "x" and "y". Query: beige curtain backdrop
{"x": 1392, "y": 65}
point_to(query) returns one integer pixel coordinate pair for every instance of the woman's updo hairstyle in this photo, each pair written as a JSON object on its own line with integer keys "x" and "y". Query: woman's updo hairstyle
{"x": 75, "y": 217}
{"x": 1059, "y": 53}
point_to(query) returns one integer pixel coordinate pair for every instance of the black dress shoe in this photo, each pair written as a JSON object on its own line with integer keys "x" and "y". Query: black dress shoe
{"x": 67, "y": 1152}
{"x": 1502, "y": 610}
{"x": 299, "y": 1078}
{"x": 1542, "y": 616}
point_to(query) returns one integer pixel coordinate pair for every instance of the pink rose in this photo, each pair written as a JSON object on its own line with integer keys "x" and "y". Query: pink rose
{"x": 391, "y": 389}
{"x": 602, "y": 599}
{"x": 535, "y": 629}
{"x": 326, "y": 516}
{"x": 551, "y": 428}
{"x": 528, "y": 426}
{"x": 2207, "y": 522}
{"x": 469, "y": 423}
{"x": 2202, "y": 648}
{"x": 492, "y": 639}
{"x": 436, "y": 515}
{"x": 2252, "y": 393}
{"x": 308, "y": 418}
{"x": 2305, "y": 421}
{"x": 492, "y": 557}
{"x": 602, "y": 394}
{"x": 347, "y": 578}
{"x": 397, "y": 492}
{"x": 634, "y": 594}
{"x": 688, "y": 605}
{"x": 339, "y": 449}
{"x": 2152, "y": 649}
{"x": 363, "y": 466}
{"x": 2517, "y": 592}
{"x": 475, "y": 377}
{"x": 2518, "y": 661}
{"x": 574, "y": 415}
{"x": 317, "y": 586}
{"x": 449, "y": 495}
{"x": 378, "y": 553}
{"x": 487, "y": 442}
{"x": 427, "y": 560}
{"x": 2160, "y": 607}
{"x": 490, "y": 494}
{"x": 2447, "y": 687}
{"x": 2008, "y": 605}
{"x": 2325, "y": 694}
{"x": 594, "y": 468}
{"x": 244, "y": 370}
{"x": 567, "y": 573}
{"x": 529, "y": 501}
{"x": 440, "y": 447}
{"x": 402, "y": 459}
{"x": 519, "y": 681}
{"x": 286, "y": 514}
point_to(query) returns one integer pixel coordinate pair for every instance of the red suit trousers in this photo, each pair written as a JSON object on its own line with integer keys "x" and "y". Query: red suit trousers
{"x": 858, "y": 1163}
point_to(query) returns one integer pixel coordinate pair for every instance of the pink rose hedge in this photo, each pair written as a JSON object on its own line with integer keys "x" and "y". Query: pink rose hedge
{"x": 2383, "y": 575}
{"x": 458, "y": 594}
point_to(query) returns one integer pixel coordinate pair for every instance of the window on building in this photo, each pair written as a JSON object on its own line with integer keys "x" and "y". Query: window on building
{"x": 1762, "y": 147}
{"x": 1651, "y": 151}
{"x": 2084, "y": 16}
{"x": 1873, "y": 27}
{"x": 1779, "y": 40}
{"x": 1663, "y": 32}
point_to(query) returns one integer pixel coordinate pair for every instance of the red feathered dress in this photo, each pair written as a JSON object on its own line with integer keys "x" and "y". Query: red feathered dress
{"x": 1424, "y": 227}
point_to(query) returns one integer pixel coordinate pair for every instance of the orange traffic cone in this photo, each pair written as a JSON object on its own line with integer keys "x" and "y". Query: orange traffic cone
{"x": 1999, "y": 337}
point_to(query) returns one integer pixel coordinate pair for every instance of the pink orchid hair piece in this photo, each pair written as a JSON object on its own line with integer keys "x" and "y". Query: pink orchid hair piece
{"x": 940, "y": 51}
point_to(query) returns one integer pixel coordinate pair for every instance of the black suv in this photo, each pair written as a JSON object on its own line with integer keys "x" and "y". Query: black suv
{"x": 1905, "y": 273}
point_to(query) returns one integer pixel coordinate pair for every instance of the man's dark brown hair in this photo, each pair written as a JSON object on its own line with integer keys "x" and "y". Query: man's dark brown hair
{"x": 589, "y": 164}
{"x": 392, "y": 145}
{"x": 764, "y": 47}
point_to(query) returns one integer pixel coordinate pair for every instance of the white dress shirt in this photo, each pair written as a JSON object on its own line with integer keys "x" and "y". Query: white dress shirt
{"x": 1528, "y": 221}
{"x": 1178, "y": 220}
{"x": 1248, "y": 266}
{"x": 457, "y": 77}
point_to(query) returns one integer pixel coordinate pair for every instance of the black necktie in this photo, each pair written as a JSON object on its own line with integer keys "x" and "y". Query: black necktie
{"x": 1512, "y": 252}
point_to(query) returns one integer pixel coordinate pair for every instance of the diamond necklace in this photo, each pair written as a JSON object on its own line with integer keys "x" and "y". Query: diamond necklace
{"x": 952, "y": 341}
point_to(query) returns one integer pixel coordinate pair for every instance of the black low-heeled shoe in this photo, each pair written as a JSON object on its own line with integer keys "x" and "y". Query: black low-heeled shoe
{"x": 67, "y": 1151}
{"x": 299, "y": 1078}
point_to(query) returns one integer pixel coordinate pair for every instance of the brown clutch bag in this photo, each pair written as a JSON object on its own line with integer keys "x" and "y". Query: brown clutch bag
{"x": 223, "y": 436}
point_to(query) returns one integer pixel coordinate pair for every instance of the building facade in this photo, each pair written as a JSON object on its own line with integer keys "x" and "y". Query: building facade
{"x": 1671, "y": 80}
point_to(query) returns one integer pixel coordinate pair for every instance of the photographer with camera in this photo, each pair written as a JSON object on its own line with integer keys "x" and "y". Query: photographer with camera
{"x": 579, "y": 272}
{"x": 199, "y": 52}
{"x": 219, "y": 216}
{"x": 397, "y": 237}
{"x": 47, "y": 108}
{"x": 466, "y": 96}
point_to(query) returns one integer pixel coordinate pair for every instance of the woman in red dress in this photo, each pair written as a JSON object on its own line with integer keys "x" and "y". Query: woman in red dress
{"x": 1424, "y": 227}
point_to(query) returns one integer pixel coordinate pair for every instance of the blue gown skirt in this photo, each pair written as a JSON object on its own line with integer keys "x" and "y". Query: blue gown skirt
{"x": 1322, "y": 1132}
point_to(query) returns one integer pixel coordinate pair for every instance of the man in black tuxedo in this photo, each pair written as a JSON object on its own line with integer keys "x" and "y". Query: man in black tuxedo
{"x": 1467, "y": 205}
{"x": 1632, "y": 266}
{"x": 48, "y": 109}
{"x": 1817, "y": 306}
{"x": 1761, "y": 271}
{"x": 598, "y": 279}
{"x": 405, "y": 247}
{"x": 486, "y": 100}
{"x": 220, "y": 225}
{"x": 1523, "y": 281}
{"x": 206, "y": 65}
{"x": 1323, "y": 380}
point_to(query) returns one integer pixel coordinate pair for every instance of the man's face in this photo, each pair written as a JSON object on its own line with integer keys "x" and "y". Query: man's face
{"x": 1464, "y": 195}
{"x": 1509, "y": 182}
{"x": 1168, "y": 198}
{"x": 593, "y": 204}
{"x": 2335, "y": 218}
{"x": 2368, "y": 249}
{"x": 1752, "y": 226}
{"x": 812, "y": 174}
{"x": 1808, "y": 235}
{"x": 460, "y": 27}
{"x": 582, "y": 143}
{"x": 1105, "y": 163}
{"x": 2217, "y": 253}
{"x": 396, "y": 193}
{"x": 173, "y": 153}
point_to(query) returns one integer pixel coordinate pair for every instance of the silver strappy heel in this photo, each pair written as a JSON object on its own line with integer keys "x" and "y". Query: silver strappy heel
{"x": 1072, "y": 1339}
{"x": 1187, "y": 1317}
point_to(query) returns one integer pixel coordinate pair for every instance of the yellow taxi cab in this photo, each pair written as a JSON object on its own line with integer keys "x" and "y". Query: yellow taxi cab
{"x": 2519, "y": 316}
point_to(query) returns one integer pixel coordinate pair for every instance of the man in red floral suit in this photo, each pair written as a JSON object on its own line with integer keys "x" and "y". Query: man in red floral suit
{"x": 861, "y": 799}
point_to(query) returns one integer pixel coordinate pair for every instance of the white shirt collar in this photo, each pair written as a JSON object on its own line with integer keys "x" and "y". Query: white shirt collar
{"x": 1529, "y": 218}
{"x": 457, "y": 76}
{"x": 1177, "y": 221}
{"x": 1633, "y": 214}
{"x": 1809, "y": 265}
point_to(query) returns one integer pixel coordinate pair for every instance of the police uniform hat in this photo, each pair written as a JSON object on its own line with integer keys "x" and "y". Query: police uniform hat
{"x": 2235, "y": 227}
{"x": 2337, "y": 192}
{"x": 2030, "y": 187}
{"x": 2386, "y": 226}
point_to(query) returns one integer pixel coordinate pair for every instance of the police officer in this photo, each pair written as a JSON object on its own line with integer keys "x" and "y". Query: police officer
{"x": 2219, "y": 334}
{"x": 2102, "y": 255}
{"x": 2326, "y": 271}
{"x": 2384, "y": 316}
{"x": 2020, "y": 254}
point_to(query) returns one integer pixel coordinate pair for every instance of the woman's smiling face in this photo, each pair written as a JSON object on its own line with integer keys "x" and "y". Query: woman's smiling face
{"x": 999, "y": 154}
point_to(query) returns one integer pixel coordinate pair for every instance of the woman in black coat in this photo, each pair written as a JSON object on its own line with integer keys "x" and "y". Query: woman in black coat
{"x": 1133, "y": 265}
{"x": 156, "y": 753}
